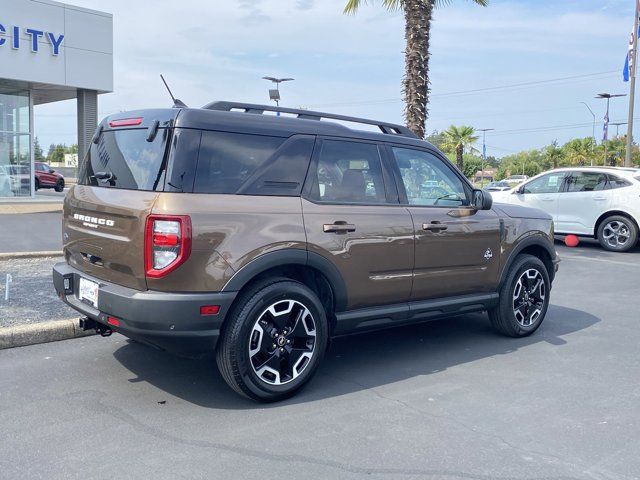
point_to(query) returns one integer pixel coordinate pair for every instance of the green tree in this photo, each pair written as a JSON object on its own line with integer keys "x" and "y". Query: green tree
{"x": 459, "y": 139}
{"x": 417, "y": 31}
{"x": 38, "y": 154}
{"x": 554, "y": 154}
{"x": 56, "y": 153}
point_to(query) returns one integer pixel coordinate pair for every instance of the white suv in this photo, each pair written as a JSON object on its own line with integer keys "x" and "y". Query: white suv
{"x": 600, "y": 202}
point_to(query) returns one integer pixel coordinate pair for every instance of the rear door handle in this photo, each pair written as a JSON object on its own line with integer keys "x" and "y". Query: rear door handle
{"x": 547, "y": 199}
{"x": 338, "y": 227}
{"x": 599, "y": 198}
{"x": 434, "y": 226}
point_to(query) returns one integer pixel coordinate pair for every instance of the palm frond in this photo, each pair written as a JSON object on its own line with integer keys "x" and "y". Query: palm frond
{"x": 444, "y": 3}
{"x": 352, "y": 5}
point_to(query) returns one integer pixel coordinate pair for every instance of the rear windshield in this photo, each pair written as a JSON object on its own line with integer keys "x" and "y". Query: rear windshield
{"x": 125, "y": 159}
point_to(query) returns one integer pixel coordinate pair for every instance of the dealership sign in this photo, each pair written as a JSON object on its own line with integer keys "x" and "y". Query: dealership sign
{"x": 54, "y": 39}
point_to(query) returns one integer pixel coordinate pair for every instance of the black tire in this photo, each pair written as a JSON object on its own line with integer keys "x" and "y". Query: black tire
{"x": 504, "y": 317}
{"x": 617, "y": 233}
{"x": 37, "y": 184}
{"x": 59, "y": 186}
{"x": 241, "y": 335}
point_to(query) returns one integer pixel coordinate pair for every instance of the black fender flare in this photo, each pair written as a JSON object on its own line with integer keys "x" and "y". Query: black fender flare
{"x": 537, "y": 240}
{"x": 291, "y": 256}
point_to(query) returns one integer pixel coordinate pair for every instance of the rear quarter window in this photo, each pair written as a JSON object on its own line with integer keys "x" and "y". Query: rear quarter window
{"x": 227, "y": 160}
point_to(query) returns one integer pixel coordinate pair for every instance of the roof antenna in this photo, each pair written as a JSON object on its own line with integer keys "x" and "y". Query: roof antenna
{"x": 176, "y": 102}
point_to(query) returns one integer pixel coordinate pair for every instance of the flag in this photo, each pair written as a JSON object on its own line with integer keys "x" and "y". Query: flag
{"x": 605, "y": 127}
{"x": 484, "y": 152}
{"x": 628, "y": 61}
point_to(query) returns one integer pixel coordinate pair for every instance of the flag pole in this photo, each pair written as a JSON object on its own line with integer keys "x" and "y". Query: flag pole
{"x": 632, "y": 87}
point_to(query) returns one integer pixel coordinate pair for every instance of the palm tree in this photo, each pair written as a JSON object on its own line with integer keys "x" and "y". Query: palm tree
{"x": 417, "y": 30}
{"x": 458, "y": 139}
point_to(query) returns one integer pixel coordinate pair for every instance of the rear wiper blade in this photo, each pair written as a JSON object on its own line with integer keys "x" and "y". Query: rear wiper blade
{"x": 108, "y": 176}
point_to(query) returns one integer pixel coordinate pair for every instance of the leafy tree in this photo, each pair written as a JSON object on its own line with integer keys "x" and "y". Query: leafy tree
{"x": 38, "y": 154}
{"x": 56, "y": 153}
{"x": 459, "y": 139}
{"x": 554, "y": 154}
{"x": 417, "y": 32}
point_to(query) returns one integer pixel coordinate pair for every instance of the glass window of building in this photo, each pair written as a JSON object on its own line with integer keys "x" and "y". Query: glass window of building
{"x": 15, "y": 143}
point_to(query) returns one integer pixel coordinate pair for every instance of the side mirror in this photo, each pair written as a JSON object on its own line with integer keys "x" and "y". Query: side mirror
{"x": 52, "y": 171}
{"x": 519, "y": 190}
{"x": 482, "y": 200}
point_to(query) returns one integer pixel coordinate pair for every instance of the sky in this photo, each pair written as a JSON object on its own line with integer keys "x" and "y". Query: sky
{"x": 520, "y": 67}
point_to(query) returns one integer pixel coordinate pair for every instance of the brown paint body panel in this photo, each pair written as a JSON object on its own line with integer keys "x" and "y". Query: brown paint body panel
{"x": 114, "y": 253}
{"x": 376, "y": 260}
{"x": 229, "y": 231}
{"x": 452, "y": 261}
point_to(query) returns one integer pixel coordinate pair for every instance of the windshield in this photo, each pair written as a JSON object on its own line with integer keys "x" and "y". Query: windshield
{"x": 125, "y": 159}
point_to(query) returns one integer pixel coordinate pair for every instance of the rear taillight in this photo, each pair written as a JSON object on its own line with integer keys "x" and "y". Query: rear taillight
{"x": 167, "y": 243}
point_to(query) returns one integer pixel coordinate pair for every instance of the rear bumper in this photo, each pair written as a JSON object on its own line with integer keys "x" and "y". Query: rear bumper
{"x": 170, "y": 321}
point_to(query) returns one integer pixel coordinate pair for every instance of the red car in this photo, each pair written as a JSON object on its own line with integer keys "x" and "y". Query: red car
{"x": 46, "y": 177}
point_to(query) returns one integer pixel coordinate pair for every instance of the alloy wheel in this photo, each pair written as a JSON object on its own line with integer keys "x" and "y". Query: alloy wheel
{"x": 616, "y": 234}
{"x": 529, "y": 296}
{"x": 282, "y": 342}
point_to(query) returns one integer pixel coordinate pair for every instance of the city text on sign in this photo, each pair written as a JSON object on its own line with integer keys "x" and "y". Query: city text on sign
{"x": 11, "y": 35}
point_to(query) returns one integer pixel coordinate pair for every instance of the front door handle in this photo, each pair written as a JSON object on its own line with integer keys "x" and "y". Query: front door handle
{"x": 434, "y": 226}
{"x": 338, "y": 227}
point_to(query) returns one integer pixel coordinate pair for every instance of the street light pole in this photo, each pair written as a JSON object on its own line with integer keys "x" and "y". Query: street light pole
{"x": 484, "y": 152}
{"x": 593, "y": 130}
{"x": 617, "y": 125}
{"x": 608, "y": 96}
{"x": 274, "y": 94}
{"x": 633, "y": 55}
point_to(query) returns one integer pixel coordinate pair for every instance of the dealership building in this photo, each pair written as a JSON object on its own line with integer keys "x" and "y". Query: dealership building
{"x": 49, "y": 52}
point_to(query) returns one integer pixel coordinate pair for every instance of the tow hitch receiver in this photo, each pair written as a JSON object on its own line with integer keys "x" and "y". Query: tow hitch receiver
{"x": 87, "y": 323}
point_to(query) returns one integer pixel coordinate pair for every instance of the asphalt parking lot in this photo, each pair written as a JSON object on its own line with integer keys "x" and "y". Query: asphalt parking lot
{"x": 448, "y": 399}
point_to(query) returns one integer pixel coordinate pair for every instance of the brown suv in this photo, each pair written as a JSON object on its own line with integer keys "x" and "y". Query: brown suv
{"x": 260, "y": 236}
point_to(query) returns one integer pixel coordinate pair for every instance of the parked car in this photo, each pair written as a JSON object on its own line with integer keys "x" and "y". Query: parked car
{"x": 595, "y": 202}
{"x": 19, "y": 179}
{"x": 200, "y": 230}
{"x": 516, "y": 179}
{"x": 500, "y": 186}
{"x": 5, "y": 183}
{"x": 46, "y": 177}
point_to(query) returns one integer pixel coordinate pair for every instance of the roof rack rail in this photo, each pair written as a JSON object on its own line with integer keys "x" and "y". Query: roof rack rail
{"x": 388, "y": 128}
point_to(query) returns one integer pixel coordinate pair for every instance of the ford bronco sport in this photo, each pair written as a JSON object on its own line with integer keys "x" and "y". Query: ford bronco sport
{"x": 259, "y": 237}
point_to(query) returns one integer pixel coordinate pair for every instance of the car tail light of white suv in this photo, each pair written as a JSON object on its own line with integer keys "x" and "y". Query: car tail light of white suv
{"x": 167, "y": 243}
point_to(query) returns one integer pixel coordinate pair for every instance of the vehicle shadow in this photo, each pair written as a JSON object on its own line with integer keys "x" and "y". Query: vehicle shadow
{"x": 356, "y": 362}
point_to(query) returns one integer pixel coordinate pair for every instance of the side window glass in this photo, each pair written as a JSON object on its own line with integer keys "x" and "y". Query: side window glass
{"x": 348, "y": 172}
{"x": 550, "y": 183}
{"x": 428, "y": 180}
{"x": 586, "y": 182}
{"x": 227, "y": 160}
{"x": 617, "y": 182}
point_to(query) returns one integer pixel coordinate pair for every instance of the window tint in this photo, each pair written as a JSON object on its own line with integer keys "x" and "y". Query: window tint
{"x": 124, "y": 159}
{"x": 549, "y": 183}
{"x": 284, "y": 173}
{"x": 428, "y": 180}
{"x": 586, "y": 182}
{"x": 617, "y": 182}
{"x": 227, "y": 160}
{"x": 348, "y": 172}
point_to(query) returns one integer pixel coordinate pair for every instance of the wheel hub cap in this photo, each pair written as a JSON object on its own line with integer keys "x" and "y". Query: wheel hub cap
{"x": 616, "y": 234}
{"x": 282, "y": 342}
{"x": 529, "y": 296}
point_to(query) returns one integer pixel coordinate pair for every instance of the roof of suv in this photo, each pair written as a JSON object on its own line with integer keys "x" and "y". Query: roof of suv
{"x": 224, "y": 116}
{"x": 624, "y": 171}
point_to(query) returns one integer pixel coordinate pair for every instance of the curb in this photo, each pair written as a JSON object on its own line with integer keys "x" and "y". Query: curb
{"x": 44, "y": 332}
{"x": 11, "y": 255}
